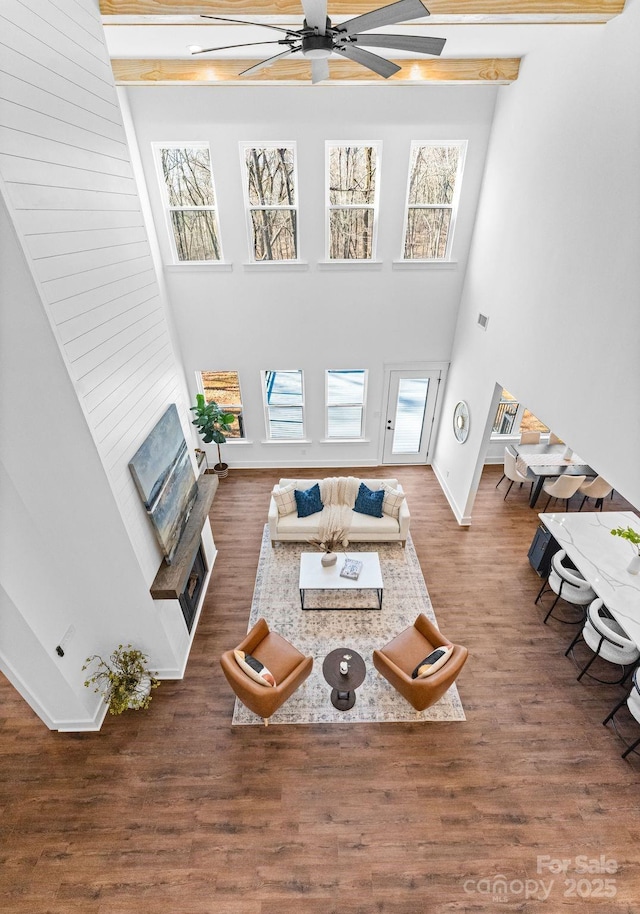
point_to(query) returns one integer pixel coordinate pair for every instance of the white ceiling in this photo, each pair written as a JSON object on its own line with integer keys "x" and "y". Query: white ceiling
{"x": 171, "y": 40}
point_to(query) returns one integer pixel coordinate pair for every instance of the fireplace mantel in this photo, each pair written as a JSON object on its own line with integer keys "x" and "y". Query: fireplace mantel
{"x": 171, "y": 580}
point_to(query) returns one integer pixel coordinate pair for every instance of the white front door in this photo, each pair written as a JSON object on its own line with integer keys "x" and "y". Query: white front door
{"x": 411, "y": 404}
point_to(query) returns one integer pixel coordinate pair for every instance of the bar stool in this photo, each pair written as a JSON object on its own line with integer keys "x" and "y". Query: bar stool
{"x": 569, "y": 585}
{"x": 607, "y": 640}
{"x": 632, "y": 702}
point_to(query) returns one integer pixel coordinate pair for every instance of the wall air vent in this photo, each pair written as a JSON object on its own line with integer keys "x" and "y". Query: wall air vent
{"x": 483, "y": 320}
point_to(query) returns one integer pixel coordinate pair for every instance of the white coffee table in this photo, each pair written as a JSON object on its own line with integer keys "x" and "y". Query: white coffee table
{"x": 315, "y": 576}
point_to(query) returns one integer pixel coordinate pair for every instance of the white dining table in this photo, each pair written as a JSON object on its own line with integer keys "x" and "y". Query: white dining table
{"x": 602, "y": 559}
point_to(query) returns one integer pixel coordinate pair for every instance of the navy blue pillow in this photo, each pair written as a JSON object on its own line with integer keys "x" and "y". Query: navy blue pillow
{"x": 369, "y": 502}
{"x": 309, "y": 502}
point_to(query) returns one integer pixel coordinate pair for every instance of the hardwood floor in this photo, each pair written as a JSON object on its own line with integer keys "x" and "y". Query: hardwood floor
{"x": 174, "y": 812}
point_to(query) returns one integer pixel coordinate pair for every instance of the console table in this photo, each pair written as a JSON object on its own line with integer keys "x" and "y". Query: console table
{"x": 602, "y": 559}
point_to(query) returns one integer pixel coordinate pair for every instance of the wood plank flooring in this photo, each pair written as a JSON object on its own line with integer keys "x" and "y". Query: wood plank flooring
{"x": 173, "y": 812}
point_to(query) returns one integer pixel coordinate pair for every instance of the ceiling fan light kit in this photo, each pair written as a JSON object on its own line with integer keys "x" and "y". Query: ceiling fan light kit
{"x": 318, "y": 39}
{"x": 317, "y": 47}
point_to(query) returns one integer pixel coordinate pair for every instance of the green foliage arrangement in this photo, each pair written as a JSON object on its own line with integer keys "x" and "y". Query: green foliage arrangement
{"x": 122, "y": 679}
{"x": 212, "y": 422}
{"x": 628, "y": 533}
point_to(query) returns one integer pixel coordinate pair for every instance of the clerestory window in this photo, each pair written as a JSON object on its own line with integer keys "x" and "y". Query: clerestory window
{"x": 352, "y": 191}
{"x": 186, "y": 180}
{"x": 270, "y": 191}
{"x": 435, "y": 176}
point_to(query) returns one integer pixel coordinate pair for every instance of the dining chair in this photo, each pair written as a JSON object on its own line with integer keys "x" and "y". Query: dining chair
{"x": 568, "y": 585}
{"x": 529, "y": 437}
{"x": 608, "y": 640}
{"x": 563, "y": 487}
{"x": 512, "y": 473}
{"x": 632, "y": 701}
{"x": 553, "y": 439}
{"x": 597, "y": 488}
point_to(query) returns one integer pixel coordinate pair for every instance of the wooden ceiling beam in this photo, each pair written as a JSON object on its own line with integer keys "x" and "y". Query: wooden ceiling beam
{"x": 449, "y": 11}
{"x": 498, "y": 71}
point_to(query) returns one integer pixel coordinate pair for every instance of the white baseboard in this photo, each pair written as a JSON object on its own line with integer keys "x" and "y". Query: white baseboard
{"x": 79, "y": 726}
{"x": 463, "y": 520}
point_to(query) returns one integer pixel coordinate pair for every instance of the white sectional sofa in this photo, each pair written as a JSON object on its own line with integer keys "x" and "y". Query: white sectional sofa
{"x": 364, "y": 528}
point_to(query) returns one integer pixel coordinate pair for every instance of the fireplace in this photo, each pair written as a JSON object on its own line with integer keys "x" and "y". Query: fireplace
{"x": 193, "y": 588}
{"x": 182, "y": 583}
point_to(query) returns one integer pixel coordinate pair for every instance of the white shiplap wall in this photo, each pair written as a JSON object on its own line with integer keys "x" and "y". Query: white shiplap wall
{"x": 66, "y": 174}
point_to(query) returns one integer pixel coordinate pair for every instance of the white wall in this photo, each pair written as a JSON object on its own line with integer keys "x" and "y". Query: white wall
{"x": 87, "y": 363}
{"x": 316, "y": 318}
{"x": 65, "y": 557}
{"x": 67, "y": 178}
{"x": 555, "y": 262}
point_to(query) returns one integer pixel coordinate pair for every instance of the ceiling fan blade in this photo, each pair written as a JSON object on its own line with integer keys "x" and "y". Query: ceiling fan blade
{"x": 319, "y": 70}
{"x": 378, "y": 64}
{"x": 402, "y": 43}
{"x": 401, "y": 11}
{"x": 263, "y": 25}
{"x": 267, "y": 62}
{"x": 248, "y": 44}
{"x": 315, "y": 13}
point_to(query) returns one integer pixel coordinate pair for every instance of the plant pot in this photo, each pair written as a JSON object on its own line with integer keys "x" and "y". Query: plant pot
{"x": 142, "y": 690}
{"x": 328, "y": 559}
{"x": 221, "y": 470}
{"x": 634, "y": 565}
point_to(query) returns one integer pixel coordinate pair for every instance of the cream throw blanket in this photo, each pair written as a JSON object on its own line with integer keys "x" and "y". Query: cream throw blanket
{"x": 338, "y": 494}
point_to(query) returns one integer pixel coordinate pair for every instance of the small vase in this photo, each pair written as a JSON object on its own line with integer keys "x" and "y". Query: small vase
{"x": 328, "y": 558}
{"x": 634, "y": 565}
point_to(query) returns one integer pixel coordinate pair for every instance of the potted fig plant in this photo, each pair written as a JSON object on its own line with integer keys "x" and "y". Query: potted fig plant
{"x": 212, "y": 422}
{"x": 628, "y": 533}
{"x": 123, "y": 680}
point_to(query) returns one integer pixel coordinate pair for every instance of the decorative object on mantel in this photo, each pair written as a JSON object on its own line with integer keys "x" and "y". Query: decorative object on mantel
{"x": 201, "y": 460}
{"x": 212, "y": 422}
{"x": 335, "y": 540}
{"x": 124, "y": 680}
{"x": 628, "y": 533}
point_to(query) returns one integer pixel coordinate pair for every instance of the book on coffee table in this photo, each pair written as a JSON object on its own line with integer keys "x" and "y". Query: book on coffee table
{"x": 351, "y": 569}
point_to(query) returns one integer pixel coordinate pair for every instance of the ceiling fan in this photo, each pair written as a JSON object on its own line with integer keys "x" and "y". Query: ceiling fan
{"x": 318, "y": 39}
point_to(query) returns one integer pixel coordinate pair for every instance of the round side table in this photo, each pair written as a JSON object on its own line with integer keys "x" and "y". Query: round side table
{"x": 344, "y": 685}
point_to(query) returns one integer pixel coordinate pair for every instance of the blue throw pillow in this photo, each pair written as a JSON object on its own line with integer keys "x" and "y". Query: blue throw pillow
{"x": 308, "y": 502}
{"x": 369, "y": 502}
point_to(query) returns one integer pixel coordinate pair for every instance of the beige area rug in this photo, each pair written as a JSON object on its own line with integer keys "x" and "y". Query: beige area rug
{"x": 317, "y": 632}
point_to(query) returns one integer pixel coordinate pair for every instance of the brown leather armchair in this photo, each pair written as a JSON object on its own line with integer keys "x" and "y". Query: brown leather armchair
{"x": 290, "y": 668}
{"x": 397, "y": 660}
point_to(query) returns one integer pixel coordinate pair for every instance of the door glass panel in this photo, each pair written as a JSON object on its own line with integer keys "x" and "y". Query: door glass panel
{"x": 409, "y": 419}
